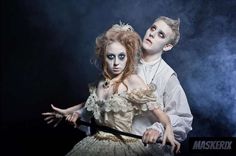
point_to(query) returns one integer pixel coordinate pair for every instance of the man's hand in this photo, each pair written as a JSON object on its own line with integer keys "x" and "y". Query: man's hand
{"x": 150, "y": 136}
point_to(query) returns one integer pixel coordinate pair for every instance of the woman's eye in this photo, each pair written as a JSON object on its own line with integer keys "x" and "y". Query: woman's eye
{"x": 121, "y": 56}
{"x": 110, "y": 57}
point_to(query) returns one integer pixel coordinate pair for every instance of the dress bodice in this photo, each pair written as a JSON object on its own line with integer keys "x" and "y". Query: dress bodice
{"x": 119, "y": 109}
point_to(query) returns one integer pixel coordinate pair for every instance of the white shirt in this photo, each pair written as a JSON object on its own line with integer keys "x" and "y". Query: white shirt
{"x": 170, "y": 94}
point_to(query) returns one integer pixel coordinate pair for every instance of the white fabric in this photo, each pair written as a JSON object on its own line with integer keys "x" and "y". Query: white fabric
{"x": 169, "y": 93}
{"x": 84, "y": 116}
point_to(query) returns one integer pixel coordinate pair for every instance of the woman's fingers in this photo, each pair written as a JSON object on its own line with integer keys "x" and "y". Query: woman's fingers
{"x": 48, "y": 113}
{"x": 172, "y": 146}
{"x": 50, "y": 121}
{"x": 164, "y": 139}
{"x": 48, "y": 118}
{"x": 55, "y": 125}
{"x": 61, "y": 111}
{"x": 75, "y": 117}
{"x": 177, "y": 146}
{"x": 68, "y": 117}
{"x": 56, "y": 116}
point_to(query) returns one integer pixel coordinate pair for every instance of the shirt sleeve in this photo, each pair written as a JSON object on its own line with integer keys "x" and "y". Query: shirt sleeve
{"x": 177, "y": 108}
{"x": 84, "y": 116}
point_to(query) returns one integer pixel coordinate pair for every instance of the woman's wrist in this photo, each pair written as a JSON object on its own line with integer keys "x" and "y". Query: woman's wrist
{"x": 168, "y": 125}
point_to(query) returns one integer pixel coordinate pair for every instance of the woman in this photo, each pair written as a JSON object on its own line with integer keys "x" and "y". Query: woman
{"x": 118, "y": 96}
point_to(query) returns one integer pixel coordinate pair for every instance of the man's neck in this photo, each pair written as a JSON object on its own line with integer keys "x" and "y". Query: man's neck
{"x": 147, "y": 57}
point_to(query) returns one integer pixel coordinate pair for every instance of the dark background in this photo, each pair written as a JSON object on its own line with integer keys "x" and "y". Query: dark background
{"x": 46, "y": 47}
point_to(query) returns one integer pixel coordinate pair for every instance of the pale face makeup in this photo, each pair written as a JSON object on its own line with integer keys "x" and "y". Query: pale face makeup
{"x": 115, "y": 58}
{"x": 157, "y": 37}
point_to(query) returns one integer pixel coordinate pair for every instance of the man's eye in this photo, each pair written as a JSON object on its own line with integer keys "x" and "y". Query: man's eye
{"x": 153, "y": 28}
{"x": 161, "y": 34}
{"x": 110, "y": 56}
{"x": 121, "y": 56}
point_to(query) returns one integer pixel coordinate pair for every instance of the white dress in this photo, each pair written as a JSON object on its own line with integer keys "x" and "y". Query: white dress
{"x": 117, "y": 112}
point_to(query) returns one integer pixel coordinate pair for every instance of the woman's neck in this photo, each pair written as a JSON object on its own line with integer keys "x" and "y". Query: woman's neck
{"x": 115, "y": 78}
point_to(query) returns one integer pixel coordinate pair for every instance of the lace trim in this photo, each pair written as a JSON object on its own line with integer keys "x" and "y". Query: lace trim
{"x": 114, "y": 104}
{"x": 107, "y": 136}
{"x": 143, "y": 99}
{"x": 137, "y": 100}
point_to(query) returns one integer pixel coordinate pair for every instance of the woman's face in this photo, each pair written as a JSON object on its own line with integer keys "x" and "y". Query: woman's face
{"x": 115, "y": 58}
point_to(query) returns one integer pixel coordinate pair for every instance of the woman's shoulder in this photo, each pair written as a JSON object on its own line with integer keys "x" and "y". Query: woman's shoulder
{"x": 135, "y": 82}
{"x": 95, "y": 85}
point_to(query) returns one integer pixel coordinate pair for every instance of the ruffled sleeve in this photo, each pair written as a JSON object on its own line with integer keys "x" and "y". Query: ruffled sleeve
{"x": 143, "y": 100}
{"x": 90, "y": 104}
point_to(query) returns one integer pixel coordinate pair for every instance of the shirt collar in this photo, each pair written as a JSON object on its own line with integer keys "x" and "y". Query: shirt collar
{"x": 151, "y": 63}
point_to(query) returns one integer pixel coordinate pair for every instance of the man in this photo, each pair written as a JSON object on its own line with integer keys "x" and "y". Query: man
{"x": 162, "y": 36}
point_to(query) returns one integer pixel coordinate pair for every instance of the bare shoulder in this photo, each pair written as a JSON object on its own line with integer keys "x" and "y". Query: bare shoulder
{"x": 135, "y": 82}
{"x": 100, "y": 84}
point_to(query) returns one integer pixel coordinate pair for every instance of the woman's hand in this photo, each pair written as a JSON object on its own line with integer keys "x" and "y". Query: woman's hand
{"x": 56, "y": 116}
{"x": 169, "y": 136}
{"x": 72, "y": 118}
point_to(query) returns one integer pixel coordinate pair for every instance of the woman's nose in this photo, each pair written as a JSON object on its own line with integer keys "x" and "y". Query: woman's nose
{"x": 116, "y": 62}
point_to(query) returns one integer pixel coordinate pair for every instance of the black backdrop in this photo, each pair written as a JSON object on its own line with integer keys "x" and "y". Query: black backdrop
{"x": 46, "y": 47}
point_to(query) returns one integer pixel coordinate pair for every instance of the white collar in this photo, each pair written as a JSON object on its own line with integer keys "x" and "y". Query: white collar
{"x": 151, "y": 63}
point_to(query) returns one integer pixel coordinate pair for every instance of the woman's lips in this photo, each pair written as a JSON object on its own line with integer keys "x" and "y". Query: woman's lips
{"x": 115, "y": 69}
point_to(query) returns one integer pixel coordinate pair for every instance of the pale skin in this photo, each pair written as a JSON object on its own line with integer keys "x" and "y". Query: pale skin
{"x": 59, "y": 113}
{"x": 151, "y": 52}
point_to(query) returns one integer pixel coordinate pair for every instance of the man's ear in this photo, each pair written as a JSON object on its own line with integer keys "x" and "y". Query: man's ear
{"x": 167, "y": 47}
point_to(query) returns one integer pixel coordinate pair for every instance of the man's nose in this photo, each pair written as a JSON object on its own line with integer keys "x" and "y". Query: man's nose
{"x": 152, "y": 34}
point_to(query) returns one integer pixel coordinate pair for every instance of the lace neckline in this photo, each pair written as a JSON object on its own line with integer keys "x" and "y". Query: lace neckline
{"x": 121, "y": 94}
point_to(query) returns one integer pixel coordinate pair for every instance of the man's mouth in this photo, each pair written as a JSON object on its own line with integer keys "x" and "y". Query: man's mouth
{"x": 149, "y": 41}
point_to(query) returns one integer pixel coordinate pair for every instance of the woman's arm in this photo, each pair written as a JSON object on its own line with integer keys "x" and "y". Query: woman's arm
{"x": 57, "y": 114}
{"x": 168, "y": 134}
{"x": 74, "y": 108}
{"x": 164, "y": 119}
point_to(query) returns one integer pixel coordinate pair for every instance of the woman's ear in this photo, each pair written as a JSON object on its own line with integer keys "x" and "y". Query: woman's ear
{"x": 167, "y": 47}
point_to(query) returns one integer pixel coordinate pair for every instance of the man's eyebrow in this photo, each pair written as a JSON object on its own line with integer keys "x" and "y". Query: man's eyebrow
{"x": 154, "y": 26}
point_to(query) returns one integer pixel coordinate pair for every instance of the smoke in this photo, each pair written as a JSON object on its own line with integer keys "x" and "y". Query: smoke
{"x": 205, "y": 58}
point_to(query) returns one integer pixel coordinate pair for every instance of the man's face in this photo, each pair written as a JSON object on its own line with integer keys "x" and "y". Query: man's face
{"x": 157, "y": 37}
{"x": 116, "y": 58}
